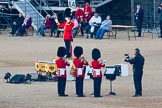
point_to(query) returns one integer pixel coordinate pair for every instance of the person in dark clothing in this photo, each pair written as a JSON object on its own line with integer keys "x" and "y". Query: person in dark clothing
{"x": 139, "y": 19}
{"x": 138, "y": 63}
{"x": 17, "y": 24}
{"x": 26, "y": 24}
{"x": 160, "y": 12}
{"x": 67, "y": 12}
{"x": 54, "y": 24}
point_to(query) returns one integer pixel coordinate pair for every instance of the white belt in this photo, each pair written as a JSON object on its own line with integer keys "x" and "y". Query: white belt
{"x": 61, "y": 71}
{"x": 80, "y": 71}
{"x": 96, "y": 71}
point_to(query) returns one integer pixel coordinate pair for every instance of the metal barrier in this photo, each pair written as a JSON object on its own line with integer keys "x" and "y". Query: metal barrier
{"x": 7, "y": 18}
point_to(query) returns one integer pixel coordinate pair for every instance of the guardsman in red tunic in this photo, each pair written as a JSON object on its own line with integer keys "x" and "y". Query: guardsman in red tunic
{"x": 61, "y": 73}
{"x": 96, "y": 71}
{"x": 79, "y": 63}
{"x": 87, "y": 12}
{"x": 68, "y": 37}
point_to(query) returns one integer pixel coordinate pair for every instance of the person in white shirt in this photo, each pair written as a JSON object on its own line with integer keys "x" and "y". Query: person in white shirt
{"x": 94, "y": 25}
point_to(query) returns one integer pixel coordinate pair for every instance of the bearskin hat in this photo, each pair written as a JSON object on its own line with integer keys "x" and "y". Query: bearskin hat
{"x": 78, "y": 51}
{"x": 61, "y": 52}
{"x": 67, "y": 12}
{"x": 87, "y": 1}
{"x": 96, "y": 54}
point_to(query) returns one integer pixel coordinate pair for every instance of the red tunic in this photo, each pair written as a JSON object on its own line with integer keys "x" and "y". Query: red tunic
{"x": 68, "y": 31}
{"x": 61, "y": 25}
{"x": 87, "y": 12}
{"x": 61, "y": 64}
{"x": 79, "y": 64}
{"x": 48, "y": 23}
{"x": 97, "y": 65}
{"x": 79, "y": 14}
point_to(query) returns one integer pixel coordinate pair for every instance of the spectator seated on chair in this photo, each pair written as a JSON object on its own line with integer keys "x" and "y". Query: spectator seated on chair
{"x": 75, "y": 28}
{"x": 105, "y": 27}
{"x": 54, "y": 24}
{"x": 60, "y": 28}
{"x": 94, "y": 25}
{"x": 46, "y": 25}
{"x": 26, "y": 24}
{"x": 17, "y": 24}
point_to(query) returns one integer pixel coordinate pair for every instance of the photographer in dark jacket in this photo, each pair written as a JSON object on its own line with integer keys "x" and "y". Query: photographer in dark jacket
{"x": 160, "y": 12}
{"x": 138, "y": 63}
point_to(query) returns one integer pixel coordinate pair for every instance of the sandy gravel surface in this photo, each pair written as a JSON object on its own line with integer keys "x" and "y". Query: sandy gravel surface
{"x": 18, "y": 54}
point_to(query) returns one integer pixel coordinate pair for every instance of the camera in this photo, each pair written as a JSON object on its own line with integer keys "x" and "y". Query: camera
{"x": 126, "y": 57}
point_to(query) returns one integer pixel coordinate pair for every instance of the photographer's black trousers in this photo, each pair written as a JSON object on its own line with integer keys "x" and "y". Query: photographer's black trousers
{"x": 61, "y": 84}
{"x": 79, "y": 86}
{"x": 137, "y": 76}
{"x": 97, "y": 86}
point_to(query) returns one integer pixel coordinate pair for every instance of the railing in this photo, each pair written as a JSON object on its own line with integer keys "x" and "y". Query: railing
{"x": 49, "y": 8}
{"x": 7, "y": 18}
{"x": 41, "y": 7}
{"x": 39, "y": 4}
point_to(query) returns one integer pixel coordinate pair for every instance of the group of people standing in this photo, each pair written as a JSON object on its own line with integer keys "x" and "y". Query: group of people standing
{"x": 79, "y": 63}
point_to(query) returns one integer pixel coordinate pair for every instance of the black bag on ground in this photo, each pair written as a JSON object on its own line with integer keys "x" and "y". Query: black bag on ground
{"x": 37, "y": 77}
{"x": 18, "y": 78}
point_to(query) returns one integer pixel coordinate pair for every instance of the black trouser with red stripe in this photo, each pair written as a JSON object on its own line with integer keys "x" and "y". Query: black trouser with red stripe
{"x": 68, "y": 48}
{"x": 61, "y": 85}
{"x": 97, "y": 86}
{"x": 79, "y": 86}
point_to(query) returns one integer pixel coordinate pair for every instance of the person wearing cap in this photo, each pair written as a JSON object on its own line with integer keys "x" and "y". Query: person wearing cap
{"x": 138, "y": 64}
{"x": 61, "y": 73}
{"x": 79, "y": 63}
{"x": 96, "y": 71}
